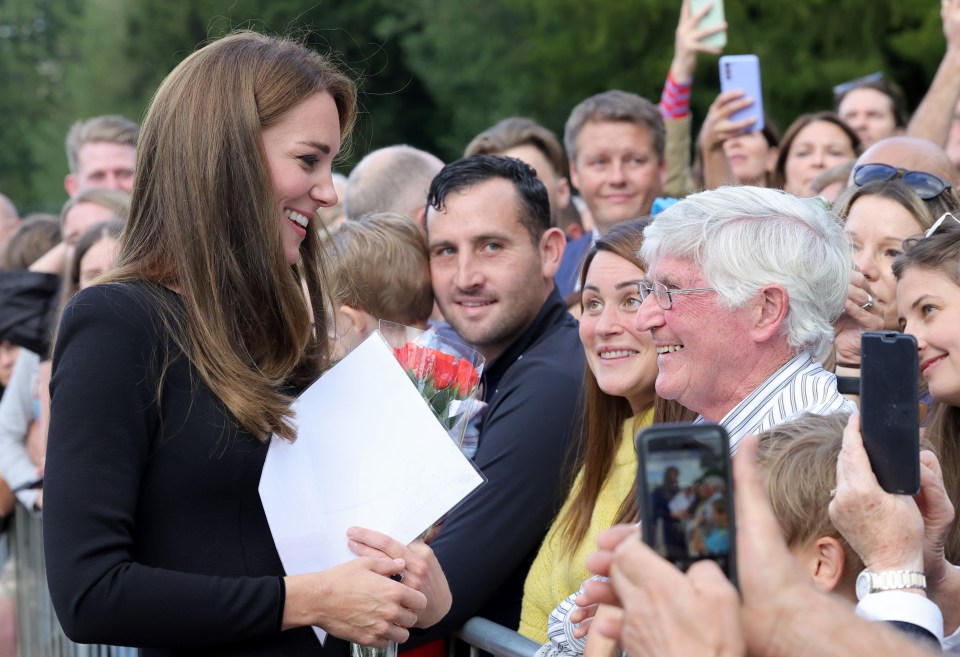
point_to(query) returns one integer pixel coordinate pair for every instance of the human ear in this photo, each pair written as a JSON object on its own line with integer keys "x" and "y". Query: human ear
{"x": 420, "y": 217}
{"x": 352, "y": 327}
{"x": 362, "y": 323}
{"x": 770, "y": 312}
{"x": 71, "y": 184}
{"x": 828, "y": 563}
{"x": 552, "y": 244}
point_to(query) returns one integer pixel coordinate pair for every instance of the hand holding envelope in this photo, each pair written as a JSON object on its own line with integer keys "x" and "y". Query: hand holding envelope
{"x": 421, "y": 572}
{"x": 371, "y": 454}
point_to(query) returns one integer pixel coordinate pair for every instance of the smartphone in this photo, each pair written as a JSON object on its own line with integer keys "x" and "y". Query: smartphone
{"x": 743, "y": 72}
{"x": 889, "y": 409}
{"x": 713, "y": 17}
{"x": 686, "y": 494}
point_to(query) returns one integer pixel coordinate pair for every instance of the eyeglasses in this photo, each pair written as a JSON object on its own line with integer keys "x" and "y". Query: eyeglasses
{"x": 842, "y": 88}
{"x": 926, "y": 185}
{"x": 937, "y": 224}
{"x": 664, "y": 294}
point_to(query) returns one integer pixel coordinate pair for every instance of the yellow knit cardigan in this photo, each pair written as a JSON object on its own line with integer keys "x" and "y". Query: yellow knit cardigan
{"x": 553, "y": 576}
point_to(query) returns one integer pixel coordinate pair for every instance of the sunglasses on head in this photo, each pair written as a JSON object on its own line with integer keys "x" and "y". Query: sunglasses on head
{"x": 926, "y": 185}
{"x": 939, "y": 222}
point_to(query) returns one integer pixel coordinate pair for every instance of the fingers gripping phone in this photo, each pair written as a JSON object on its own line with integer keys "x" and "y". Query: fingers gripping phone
{"x": 889, "y": 412}
{"x": 686, "y": 494}
{"x": 742, "y": 72}
{"x": 713, "y": 17}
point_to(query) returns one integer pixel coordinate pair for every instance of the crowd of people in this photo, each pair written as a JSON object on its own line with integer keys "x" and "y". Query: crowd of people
{"x": 630, "y": 273}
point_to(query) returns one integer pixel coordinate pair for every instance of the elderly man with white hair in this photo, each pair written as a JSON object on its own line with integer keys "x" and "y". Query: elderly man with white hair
{"x": 743, "y": 288}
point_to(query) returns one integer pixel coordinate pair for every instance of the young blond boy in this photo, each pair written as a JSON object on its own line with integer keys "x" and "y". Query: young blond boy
{"x": 379, "y": 268}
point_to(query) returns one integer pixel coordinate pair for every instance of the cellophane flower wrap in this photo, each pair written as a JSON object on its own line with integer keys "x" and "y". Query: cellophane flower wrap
{"x": 446, "y": 372}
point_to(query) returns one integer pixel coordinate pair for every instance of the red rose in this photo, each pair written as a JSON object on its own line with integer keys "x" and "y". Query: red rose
{"x": 444, "y": 373}
{"x": 466, "y": 378}
{"x": 404, "y": 354}
{"x": 424, "y": 363}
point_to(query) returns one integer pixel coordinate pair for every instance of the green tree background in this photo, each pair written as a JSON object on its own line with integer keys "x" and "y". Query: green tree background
{"x": 432, "y": 73}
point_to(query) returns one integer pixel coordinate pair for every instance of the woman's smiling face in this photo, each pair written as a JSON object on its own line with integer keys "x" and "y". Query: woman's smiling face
{"x": 621, "y": 357}
{"x": 929, "y": 304}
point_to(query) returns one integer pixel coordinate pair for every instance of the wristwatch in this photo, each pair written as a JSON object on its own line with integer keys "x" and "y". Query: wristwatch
{"x": 889, "y": 580}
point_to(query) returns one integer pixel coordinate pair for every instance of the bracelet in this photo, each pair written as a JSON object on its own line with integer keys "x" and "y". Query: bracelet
{"x": 849, "y": 366}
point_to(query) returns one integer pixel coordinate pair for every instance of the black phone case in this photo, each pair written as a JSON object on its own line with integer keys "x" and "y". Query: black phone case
{"x": 676, "y": 436}
{"x": 889, "y": 412}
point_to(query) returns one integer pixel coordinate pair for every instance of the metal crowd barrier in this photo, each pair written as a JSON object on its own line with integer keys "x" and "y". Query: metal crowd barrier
{"x": 38, "y": 630}
{"x": 485, "y": 635}
{"x": 39, "y": 633}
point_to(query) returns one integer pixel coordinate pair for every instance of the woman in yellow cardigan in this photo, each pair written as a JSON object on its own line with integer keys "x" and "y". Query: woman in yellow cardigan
{"x": 619, "y": 400}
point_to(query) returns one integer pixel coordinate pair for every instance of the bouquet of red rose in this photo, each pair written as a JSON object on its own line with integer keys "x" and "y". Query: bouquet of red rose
{"x": 445, "y": 372}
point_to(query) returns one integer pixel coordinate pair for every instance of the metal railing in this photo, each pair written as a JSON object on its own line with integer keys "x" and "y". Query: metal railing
{"x": 38, "y": 631}
{"x": 485, "y": 635}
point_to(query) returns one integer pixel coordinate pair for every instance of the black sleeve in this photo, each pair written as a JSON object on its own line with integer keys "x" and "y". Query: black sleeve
{"x": 28, "y": 302}
{"x": 485, "y": 546}
{"x": 103, "y": 418}
{"x": 921, "y": 635}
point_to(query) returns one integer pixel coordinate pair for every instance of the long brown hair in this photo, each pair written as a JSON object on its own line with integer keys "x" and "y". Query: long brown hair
{"x": 202, "y": 223}
{"x": 605, "y": 415}
{"x": 940, "y": 253}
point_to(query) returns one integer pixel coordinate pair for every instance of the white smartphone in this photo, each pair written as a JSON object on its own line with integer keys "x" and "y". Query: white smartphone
{"x": 714, "y": 17}
{"x": 743, "y": 72}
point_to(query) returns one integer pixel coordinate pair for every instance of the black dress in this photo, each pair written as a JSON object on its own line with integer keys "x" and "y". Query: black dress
{"x": 153, "y": 529}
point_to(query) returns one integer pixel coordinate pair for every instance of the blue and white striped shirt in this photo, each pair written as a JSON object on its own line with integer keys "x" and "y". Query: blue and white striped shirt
{"x": 800, "y": 386}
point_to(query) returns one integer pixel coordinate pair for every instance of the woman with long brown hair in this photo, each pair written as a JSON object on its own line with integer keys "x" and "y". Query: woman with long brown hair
{"x": 170, "y": 379}
{"x": 928, "y": 298}
{"x": 619, "y": 399}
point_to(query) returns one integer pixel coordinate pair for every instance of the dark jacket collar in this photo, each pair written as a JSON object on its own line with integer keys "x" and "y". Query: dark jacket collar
{"x": 551, "y": 313}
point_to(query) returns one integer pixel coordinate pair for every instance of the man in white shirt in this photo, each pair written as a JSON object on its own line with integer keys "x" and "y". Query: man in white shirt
{"x": 743, "y": 288}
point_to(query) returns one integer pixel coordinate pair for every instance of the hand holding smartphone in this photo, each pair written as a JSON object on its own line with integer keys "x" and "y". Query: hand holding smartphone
{"x": 714, "y": 17}
{"x": 686, "y": 494}
{"x": 889, "y": 412}
{"x": 742, "y": 72}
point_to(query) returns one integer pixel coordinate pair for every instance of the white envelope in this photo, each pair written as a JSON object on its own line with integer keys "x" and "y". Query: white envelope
{"x": 369, "y": 453}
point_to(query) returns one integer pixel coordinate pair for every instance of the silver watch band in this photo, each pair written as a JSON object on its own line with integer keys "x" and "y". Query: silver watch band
{"x": 892, "y": 580}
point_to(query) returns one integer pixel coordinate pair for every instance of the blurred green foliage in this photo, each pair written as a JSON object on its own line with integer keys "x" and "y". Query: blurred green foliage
{"x": 432, "y": 73}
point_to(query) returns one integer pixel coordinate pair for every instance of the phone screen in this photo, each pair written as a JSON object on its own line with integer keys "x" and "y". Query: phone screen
{"x": 686, "y": 494}
{"x": 889, "y": 411}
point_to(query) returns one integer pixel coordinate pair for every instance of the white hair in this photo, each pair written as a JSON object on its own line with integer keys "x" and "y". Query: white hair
{"x": 745, "y": 238}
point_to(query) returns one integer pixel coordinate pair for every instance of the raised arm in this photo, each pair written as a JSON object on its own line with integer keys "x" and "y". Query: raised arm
{"x": 935, "y": 113}
{"x": 675, "y": 99}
